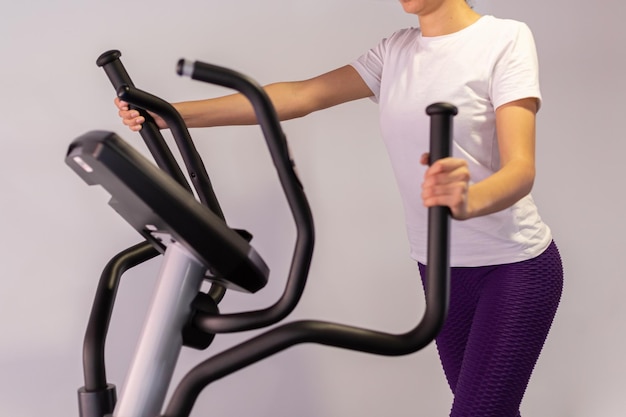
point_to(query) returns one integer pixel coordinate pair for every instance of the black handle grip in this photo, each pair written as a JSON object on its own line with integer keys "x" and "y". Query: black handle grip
{"x": 438, "y": 264}
{"x": 114, "y": 69}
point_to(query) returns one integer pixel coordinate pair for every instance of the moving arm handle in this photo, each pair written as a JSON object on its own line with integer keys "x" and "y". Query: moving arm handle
{"x": 438, "y": 265}
{"x": 292, "y": 188}
{"x": 110, "y": 62}
{"x": 338, "y": 335}
{"x": 142, "y": 101}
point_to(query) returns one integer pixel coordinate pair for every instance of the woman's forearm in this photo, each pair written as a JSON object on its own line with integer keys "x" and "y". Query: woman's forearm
{"x": 502, "y": 189}
{"x": 291, "y": 100}
{"x": 236, "y": 109}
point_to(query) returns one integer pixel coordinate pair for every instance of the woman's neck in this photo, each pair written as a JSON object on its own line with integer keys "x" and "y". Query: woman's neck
{"x": 447, "y": 20}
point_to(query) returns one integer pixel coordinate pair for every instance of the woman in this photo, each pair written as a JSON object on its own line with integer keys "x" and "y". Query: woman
{"x": 506, "y": 277}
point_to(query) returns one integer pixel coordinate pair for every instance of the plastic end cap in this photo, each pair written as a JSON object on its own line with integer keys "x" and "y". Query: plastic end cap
{"x": 108, "y": 57}
{"x": 442, "y": 108}
{"x": 185, "y": 68}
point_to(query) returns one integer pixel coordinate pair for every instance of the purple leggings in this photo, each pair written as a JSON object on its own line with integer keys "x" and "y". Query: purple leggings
{"x": 498, "y": 321}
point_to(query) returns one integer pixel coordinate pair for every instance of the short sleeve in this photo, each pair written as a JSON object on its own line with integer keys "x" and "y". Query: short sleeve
{"x": 370, "y": 67}
{"x": 516, "y": 74}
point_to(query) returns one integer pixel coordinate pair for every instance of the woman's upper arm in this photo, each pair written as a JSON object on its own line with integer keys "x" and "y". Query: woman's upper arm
{"x": 515, "y": 124}
{"x": 335, "y": 87}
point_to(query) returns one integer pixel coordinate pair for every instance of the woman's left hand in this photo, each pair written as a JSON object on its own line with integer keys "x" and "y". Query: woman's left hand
{"x": 446, "y": 183}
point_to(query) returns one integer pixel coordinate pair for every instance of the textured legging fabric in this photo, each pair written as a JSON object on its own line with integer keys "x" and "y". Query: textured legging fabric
{"x": 497, "y": 324}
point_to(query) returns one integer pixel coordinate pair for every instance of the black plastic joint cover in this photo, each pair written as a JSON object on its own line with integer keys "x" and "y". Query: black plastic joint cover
{"x": 193, "y": 336}
{"x": 97, "y": 403}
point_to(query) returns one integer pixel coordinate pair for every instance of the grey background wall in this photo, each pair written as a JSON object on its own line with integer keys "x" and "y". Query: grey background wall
{"x": 57, "y": 234}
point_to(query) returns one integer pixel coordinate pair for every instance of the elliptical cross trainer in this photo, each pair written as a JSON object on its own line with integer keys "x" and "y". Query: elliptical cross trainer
{"x": 198, "y": 245}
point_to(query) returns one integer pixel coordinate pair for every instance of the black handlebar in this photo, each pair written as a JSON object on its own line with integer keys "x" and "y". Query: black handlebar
{"x": 437, "y": 265}
{"x": 115, "y": 71}
{"x": 263, "y": 107}
{"x": 195, "y": 167}
{"x": 292, "y": 188}
{"x": 144, "y": 102}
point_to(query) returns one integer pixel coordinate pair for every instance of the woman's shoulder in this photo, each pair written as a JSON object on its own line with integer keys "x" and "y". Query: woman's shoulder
{"x": 402, "y": 37}
{"x": 503, "y": 26}
{"x": 404, "y": 34}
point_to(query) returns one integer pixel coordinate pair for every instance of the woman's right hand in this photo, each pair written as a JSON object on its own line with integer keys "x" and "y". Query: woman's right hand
{"x": 130, "y": 117}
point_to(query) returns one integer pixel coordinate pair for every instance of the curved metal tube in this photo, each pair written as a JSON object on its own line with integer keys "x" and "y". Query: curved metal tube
{"x": 100, "y": 317}
{"x": 195, "y": 167}
{"x": 277, "y": 144}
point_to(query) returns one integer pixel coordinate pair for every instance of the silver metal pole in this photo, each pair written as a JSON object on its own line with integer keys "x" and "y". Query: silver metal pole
{"x": 161, "y": 340}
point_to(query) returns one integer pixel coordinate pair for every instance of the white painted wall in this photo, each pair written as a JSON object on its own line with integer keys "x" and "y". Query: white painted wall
{"x": 58, "y": 233}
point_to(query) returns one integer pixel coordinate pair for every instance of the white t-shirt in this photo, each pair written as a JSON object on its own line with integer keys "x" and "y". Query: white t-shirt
{"x": 490, "y": 63}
